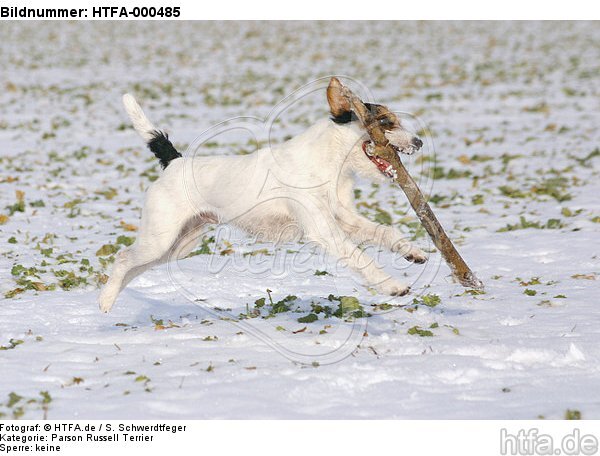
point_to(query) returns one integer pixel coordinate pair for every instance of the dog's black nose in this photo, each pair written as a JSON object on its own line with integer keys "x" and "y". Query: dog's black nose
{"x": 417, "y": 142}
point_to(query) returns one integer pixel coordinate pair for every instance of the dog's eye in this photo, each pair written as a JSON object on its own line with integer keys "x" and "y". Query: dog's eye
{"x": 385, "y": 122}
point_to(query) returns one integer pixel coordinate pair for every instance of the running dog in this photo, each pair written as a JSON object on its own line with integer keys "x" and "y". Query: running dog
{"x": 302, "y": 187}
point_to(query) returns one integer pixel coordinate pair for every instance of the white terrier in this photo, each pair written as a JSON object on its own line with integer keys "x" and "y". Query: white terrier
{"x": 301, "y": 187}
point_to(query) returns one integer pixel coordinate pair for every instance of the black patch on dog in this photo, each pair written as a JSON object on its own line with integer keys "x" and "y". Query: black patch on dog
{"x": 373, "y": 108}
{"x": 162, "y": 148}
{"x": 349, "y": 116}
{"x": 345, "y": 117}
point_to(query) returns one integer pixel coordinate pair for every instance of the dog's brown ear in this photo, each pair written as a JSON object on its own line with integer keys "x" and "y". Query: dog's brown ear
{"x": 338, "y": 104}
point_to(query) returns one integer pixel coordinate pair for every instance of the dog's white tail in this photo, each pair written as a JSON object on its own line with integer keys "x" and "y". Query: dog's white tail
{"x": 157, "y": 141}
{"x": 140, "y": 122}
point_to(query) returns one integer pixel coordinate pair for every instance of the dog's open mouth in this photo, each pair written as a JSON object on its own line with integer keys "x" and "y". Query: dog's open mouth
{"x": 384, "y": 166}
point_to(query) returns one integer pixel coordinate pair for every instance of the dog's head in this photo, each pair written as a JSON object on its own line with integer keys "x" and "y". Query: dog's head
{"x": 401, "y": 140}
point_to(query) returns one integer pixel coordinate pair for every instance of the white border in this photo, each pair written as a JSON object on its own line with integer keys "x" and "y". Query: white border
{"x": 291, "y": 438}
{"x": 351, "y": 9}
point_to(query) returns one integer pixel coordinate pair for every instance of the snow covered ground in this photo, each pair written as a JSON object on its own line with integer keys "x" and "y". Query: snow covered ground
{"x": 512, "y": 140}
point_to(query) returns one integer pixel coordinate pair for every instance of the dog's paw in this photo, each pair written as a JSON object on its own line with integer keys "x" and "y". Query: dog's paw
{"x": 416, "y": 255}
{"x": 409, "y": 252}
{"x": 393, "y": 288}
{"x": 105, "y": 302}
{"x": 105, "y": 306}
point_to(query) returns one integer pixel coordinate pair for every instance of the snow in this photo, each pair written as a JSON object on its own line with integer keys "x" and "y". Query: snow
{"x": 524, "y": 94}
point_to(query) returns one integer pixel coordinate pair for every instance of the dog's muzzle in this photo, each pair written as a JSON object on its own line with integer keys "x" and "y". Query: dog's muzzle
{"x": 415, "y": 145}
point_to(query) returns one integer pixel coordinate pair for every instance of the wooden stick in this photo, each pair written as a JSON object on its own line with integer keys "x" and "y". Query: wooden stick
{"x": 382, "y": 149}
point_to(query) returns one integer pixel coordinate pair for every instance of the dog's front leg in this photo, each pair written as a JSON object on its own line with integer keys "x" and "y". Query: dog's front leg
{"x": 360, "y": 229}
{"x": 325, "y": 231}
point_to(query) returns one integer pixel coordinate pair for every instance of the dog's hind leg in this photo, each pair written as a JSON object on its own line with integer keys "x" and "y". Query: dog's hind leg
{"x": 129, "y": 263}
{"x": 133, "y": 261}
{"x": 151, "y": 250}
{"x": 164, "y": 219}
